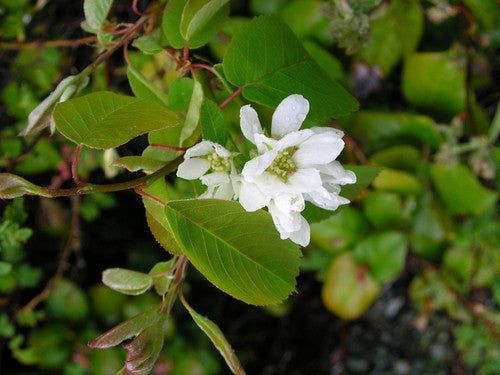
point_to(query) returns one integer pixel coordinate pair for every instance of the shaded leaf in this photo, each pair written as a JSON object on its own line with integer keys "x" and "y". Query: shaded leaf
{"x": 143, "y": 88}
{"x": 106, "y": 120}
{"x": 155, "y": 215}
{"x": 382, "y": 129}
{"x": 127, "y": 281}
{"x": 347, "y": 291}
{"x": 384, "y": 253}
{"x": 397, "y": 181}
{"x": 213, "y": 123}
{"x": 460, "y": 190}
{"x": 395, "y": 31}
{"x": 240, "y": 252}
{"x": 218, "y": 339}
{"x": 435, "y": 81}
{"x": 211, "y": 12}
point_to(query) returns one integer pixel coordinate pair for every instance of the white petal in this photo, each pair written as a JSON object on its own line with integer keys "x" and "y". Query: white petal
{"x": 271, "y": 185}
{"x": 305, "y": 180}
{"x": 251, "y": 198}
{"x": 293, "y": 139}
{"x": 319, "y": 149}
{"x": 215, "y": 179}
{"x": 289, "y": 115}
{"x": 200, "y": 149}
{"x": 325, "y": 199}
{"x": 303, "y": 235}
{"x": 221, "y": 151}
{"x": 191, "y": 169}
{"x": 284, "y": 221}
{"x": 258, "y": 165}
{"x": 334, "y": 173}
{"x": 249, "y": 122}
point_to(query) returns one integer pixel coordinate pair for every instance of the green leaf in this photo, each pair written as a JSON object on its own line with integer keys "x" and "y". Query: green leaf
{"x": 365, "y": 174}
{"x": 96, "y": 12}
{"x": 384, "y": 253}
{"x": 486, "y": 12}
{"x": 398, "y": 157}
{"x": 398, "y": 181}
{"x": 460, "y": 190}
{"x": 213, "y": 12}
{"x": 45, "y": 108}
{"x": 395, "y": 31}
{"x": 435, "y": 81}
{"x": 12, "y": 186}
{"x": 127, "y": 281}
{"x": 328, "y": 62}
{"x": 428, "y": 231}
{"x": 341, "y": 230}
{"x": 179, "y": 93}
{"x": 162, "y": 283}
{"x": 67, "y": 301}
{"x": 239, "y": 252}
{"x": 218, "y": 339}
{"x": 193, "y": 114}
{"x": 379, "y": 130}
{"x": 171, "y": 23}
{"x": 276, "y": 65}
{"x": 155, "y": 215}
{"x": 5, "y": 268}
{"x": 149, "y": 44}
{"x": 193, "y": 22}
{"x": 143, "y": 88}
{"x": 127, "y": 329}
{"x": 136, "y": 163}
{"x": 107, "y": 120}
{"x": 213, "y": 123}
{"x": 348, "y": 291}
{"x": 384, "y": 210}
{"x": 144, "y": 350}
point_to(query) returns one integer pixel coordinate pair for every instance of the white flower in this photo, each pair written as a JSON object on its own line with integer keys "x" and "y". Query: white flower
{"x": 210, "y": 157}
{"x": 292, "y": 166}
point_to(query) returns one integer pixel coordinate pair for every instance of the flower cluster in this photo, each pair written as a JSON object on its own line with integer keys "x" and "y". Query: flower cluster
{"x": 290, "y": 167}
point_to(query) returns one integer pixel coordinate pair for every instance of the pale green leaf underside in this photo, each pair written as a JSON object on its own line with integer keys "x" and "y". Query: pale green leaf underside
{"x": 240, "y": 252}
{"x": 106, "y": 120}
{"x": 127, "y": 281}
{"x": 96, "y": 12}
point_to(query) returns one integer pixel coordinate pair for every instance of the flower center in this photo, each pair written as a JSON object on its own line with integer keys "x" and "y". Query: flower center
{"x": 284, "y": 165}
{"x": 219, "y": 163}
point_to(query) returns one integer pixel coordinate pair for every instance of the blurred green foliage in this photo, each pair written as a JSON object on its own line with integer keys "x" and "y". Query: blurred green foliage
{"x": 428, "y": 118}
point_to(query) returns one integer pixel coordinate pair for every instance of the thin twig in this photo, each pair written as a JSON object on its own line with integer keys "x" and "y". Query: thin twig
{"x": 72, "y": 243}
{"x": 231, "y": 97}
{"x": 48, "y": 43}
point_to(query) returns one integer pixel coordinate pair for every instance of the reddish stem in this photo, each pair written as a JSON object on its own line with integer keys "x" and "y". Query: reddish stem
{"x": 137, "y": 11}
{"x": 139, "y": 191}
{"x": 74, "y": 166}
{"x": 231, "y": 97}
{"x": 202, "y": 66}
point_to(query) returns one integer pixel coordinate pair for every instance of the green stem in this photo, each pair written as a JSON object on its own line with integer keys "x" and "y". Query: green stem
{"x": 91, "y": 188}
